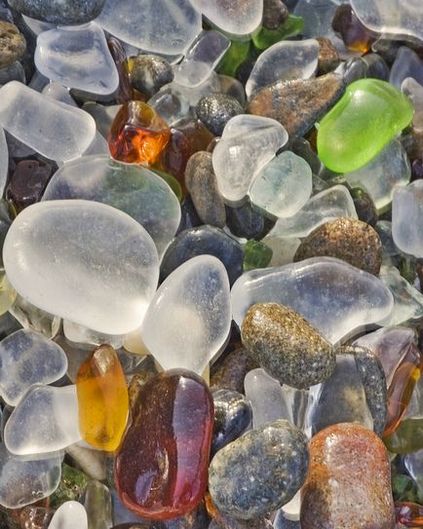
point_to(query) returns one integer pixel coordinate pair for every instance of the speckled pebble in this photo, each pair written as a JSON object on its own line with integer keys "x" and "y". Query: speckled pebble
{"x": 260, "y": 471}
{"x": 202, "y": 185}
{"x": 328, "y": 56}
{"x": 286, "y": 345}
{"x": 298, "y": 104}
{"x": 349, "y": 481}
{"x": 216, "y": 110}
{"x": 351, "y": 240}
{"x": 230, "y": 371}
{"x": 148, "y": 73}
{"x": 275, "y": 13}
{"x": 12, "y": 44}
{"x": 374, "y": 382}
{"x": 232, "y": 416}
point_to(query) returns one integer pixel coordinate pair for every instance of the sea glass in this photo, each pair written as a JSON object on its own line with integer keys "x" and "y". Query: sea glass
{"x": 84, "y": 261}
{"x": 369, "y": 116}
{"x": 70, "y": 515}
{"x": 407, "y": 215}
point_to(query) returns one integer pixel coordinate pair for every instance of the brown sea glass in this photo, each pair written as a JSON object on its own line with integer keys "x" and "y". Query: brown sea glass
{"x": 401, "y": 388}
{"x": 356, "y": 37}
{"x": 161, "y": 466}
{"x": 138, "y": 134}
{"x": 27, "y": 183}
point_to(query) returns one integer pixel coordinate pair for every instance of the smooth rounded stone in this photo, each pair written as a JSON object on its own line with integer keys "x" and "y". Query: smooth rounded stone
{"x": 216, "y": 110}
{"x": 229, "y": 372}
{"x": 275, "y": 456}
{"x": 60, "y": 12}
{"x": 201, "y": 59}
{"x": 12, "y": 44}
{"x": 24, "y": 481}
{"x": 161, "y": 466}
{"x": 148, "y": 73}
{"x": 236, "y": 17}
{"x": 275, "y": 13}
{"x": 407, "y": 64}
{"x": 349, "y": 481}
{"x": 77, "y": 58}
{"x": 248, "y": 143}
{"x": 55, "y": 130}
{"x": 374, "y": 383}
{"x": 36, "y": 425}
{"x": 407, "y": 216}
{"x": 298, "y": 104}
{"x": 195, "y": 296}
{"x": 90, "y": 281}
{"x": 204, "y": 240}
{"x": 133, "y": 189}
{"x": 286, "y": 345}
{"x": 201, "y": 183}
{"x": 365, "y": 207}
{"x": 380, "y": 177}
{"x": 351, "y": 240}
{"x": 367, "y": 118}
{"x": 408, "y": 301}
{"x": 28, "y": 358}
{"x": 377, "y": 67}
{"x": 232, "y": 416}
{"x": 283, "y": 186}
{"x": 341, "y": 398}
{"x": 357, "y": 298}
{"x": 70, "y": 515}
{"x": 327, "y": 205}
{"x": 268, "y": 399}
{"x": 247, "y": 222}
{"x": 164, "y": 26}
{"x": 284, "y": 61}
{"x": 328, "y": 58}
{"x": 385, "y": 16}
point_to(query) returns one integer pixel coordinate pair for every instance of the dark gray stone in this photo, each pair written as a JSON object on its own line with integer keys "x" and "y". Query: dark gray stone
{"x": 66, "y": 12}
{"x": 216, "y": 110}
{"x": 149, "y": 73}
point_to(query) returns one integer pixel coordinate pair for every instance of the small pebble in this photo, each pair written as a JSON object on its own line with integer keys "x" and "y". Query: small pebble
{"x": 216, "y": 110}
{"x": 232, "y": 416}
{"x": 328, "y": 56}
{"x": 286, "y": 345}
{"x": 200, "y": 181}
{"x": 351, "y": 240}
{"x": 275, "y": 13}
{"x": 260, "y": 471}
{"x": 298, "y": 104}
{"x": 230, "y": 372}
{"x": 60, "y": 12}
{"x": 148, "y": 73}
{"x": 12, "y": 44}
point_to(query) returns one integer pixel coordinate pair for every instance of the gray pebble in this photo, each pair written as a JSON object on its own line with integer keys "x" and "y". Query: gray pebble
{"x": 260, "y": 471}
{"x": 66, "y": 12}
{"x": 149, "y": 73}
{"x": 216, "y": 110}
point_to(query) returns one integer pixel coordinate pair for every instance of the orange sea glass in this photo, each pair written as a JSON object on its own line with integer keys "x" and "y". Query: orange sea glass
{"x": 401, "y": 388}
{"x": 103, "y": 399}
{"x": 138, "y": 134}
{"x": 409, "y": 514}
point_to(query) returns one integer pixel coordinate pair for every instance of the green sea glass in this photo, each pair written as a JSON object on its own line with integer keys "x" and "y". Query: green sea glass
{"x": 369, "y": 115}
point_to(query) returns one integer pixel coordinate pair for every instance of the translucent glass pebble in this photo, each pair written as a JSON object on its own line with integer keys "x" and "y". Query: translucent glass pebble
{"x": 24, "y": 481}
{"x": 237, "y": 17}
{"x": 191, "y": 311}
{"x": 4, "y": 160}
{"x": 414, "y": 91}
{"x": 407, "y": 64}
{"x": 284, "y": 61}
{"x": 333, "y": 296}
{"x": 164, "y": 26}
{"x": 77, "y": 57}
{"x": 407, "y": 218}
{"x": 28, "y": 358}
{"x": 267, "y": 397}
{"x": 283, "y": 186}
{"x": 84, "y": 261}
{"x": 70, "y": 515}
{"x": 327, "y": 205}
{"x": 201, "y": 59}
{"x": 133, "y": 189}
{"x": 391, "y": 16}
{"x": 45, "y": 420}
{"x": 55, "y": 130}
{"x": 248, "y": 143}
{"x": 380, "y": 177}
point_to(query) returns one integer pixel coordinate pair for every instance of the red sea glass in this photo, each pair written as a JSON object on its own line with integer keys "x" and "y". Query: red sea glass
{"x": 138, "y": 134}
{"x": 161, "y": 466}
